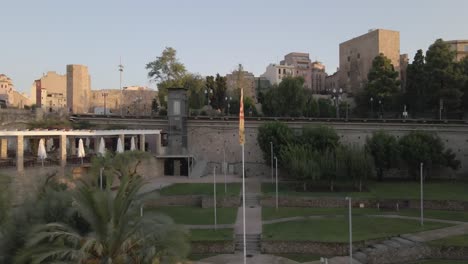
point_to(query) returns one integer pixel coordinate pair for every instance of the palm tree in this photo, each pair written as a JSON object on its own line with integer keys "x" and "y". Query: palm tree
{"x": 119, "y": 234}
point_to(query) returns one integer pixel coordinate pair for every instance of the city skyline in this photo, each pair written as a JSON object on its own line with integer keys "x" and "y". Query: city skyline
{"x": 47, "y": 36}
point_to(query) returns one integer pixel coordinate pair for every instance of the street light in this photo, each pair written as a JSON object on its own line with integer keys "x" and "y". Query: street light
{"x": 372, "y": 106}
{"x": 381, "y": 108}
{"x": 105, "y": 97}
{"x": 271, "y": 155}
{"x": 350, "y": 231}
{"x": 214, "y": 200}
{"x": 422, "y": 194}
{"x": 336, "y": 96}
{"x": 276, "y": 166}
{"x": 227, "y": 103}
{"x": 207, "y": 93}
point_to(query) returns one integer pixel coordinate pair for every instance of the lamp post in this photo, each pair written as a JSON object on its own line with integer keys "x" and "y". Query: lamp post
{"x": 422, "y": 193}
{"x": 105, "y": 106}
{"x": 208, "y": 93}
{"x": 276, "y": 167}
{"x": 381, "y": 108}
{"x": 350, "y": 230}
{"x": 271, "y": 156}
{"x": 336, "y": 96}
{"x": 372, "y": 106}
{"x": 214, "y": 200}
{"x": 227, "y": 104}
{"x": 121, "y": 67}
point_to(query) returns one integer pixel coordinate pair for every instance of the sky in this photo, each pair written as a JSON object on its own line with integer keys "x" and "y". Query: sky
{"x": 210, "y": 36}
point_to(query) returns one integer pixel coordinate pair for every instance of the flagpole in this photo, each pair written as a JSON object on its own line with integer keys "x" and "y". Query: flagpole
{"x": 243, "y": 203}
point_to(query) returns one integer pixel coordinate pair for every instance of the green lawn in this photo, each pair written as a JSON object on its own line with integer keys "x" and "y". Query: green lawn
{"x": 401, "y": 190}
{"x": 201, "y": 189}
{"x": 461, "y": 241}
{"x": 198, "y": 216}
{"x": 269, "y": 213}
{"x": 210, "y": 234}
{"x": 440, "y": 262}
{"x": 335, "y": 229}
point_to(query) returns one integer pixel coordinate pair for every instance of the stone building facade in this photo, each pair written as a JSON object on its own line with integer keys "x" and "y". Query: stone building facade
{"x": 246, "y": 79}
{"x": 302, "y": 66}
{"x": 78, "y": 88}
{"x": 318, "y": 76}
{"x": 357, "y": 54}
{"x": 136, "y": 100}
{"x": 331, "y": 82}
{"x": 460, "y": 47}
{"x": 9, "y": 97}
{"x": 276, "y": 72}
{"x": 50, "y": 92}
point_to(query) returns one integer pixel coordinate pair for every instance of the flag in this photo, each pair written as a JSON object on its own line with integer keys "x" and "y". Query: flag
{"x": 241, "y": 119}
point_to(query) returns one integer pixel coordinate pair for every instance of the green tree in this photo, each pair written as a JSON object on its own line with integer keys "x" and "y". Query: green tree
{"x": 279, "y": 134}
{"x": 219, "y": 93}
{"x": 319, "y": 138}
{"x": 195, "y": 85}
{"x": 301, "y": 163}
{"x": 209, "y": 91}
{"x": 167, "y": 72}
{"x": 328, "y": 168}
{"x": 428, "y": 148}
{"x": 444, "y": 82}
{"x": 384, "y": 149}
{"x": 118, "y": 233}
{"x": 360, "y": 165}
{"x": 154, "y": 105}
{"x": 286, "y": 99}
{"x": 382, "y": 81}
{"x": 416, "y": 84}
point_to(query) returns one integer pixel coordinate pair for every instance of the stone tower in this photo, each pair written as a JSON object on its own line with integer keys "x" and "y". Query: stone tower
{"x": 78, "y": 88}
{"x": 177, "y": 117}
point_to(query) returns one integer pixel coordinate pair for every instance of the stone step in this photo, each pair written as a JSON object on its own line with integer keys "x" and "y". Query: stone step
{"x": 403, "y": 242}
{"x": 361, "y": 257}
{"x": 380, "y": 247}
{"x": 391, "y": 243}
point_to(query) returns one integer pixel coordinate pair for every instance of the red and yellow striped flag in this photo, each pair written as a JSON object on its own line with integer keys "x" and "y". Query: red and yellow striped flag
{"x": 241, "y": 119}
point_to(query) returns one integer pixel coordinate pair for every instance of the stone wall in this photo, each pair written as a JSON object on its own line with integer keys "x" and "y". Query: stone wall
{"x": 212, "y": 247}
{"x": 15, "y": 118}
{"x": 224, "y": 201}
{"x": 449, "y": 252}
{"x": 399, "y": 255}
{"x": 311, "y": 247}
{"x": 332, "y": 202}
{"x": 175, "y": 200}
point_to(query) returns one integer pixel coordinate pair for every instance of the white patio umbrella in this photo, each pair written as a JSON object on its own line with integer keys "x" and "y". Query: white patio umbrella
{"x": 81, "y": 151}
{"x": 132, "y": 144}
{"x": 102, "y": 147}
{"x": 120, "y": 148}
{"x": 41, "y": 151}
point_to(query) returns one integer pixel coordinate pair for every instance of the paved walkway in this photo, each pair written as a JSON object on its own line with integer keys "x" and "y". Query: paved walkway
{"x": 253, "y": 212}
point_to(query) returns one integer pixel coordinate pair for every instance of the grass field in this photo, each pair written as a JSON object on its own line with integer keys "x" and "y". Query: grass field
{"x": 269, "y": 213}
{"x": 201, "y": 189}
{"x": 440, "y": 262}
{"x": 335, "y": 229}
{"x": 210, "y": 234}
{"x": 391, "y": 190}
{"x": 198, "y": 216}
{"x": 460, "y": 241}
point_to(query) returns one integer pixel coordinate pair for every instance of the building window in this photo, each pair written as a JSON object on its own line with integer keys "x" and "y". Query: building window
{"x": 466, "y": 48}
{"x": 359, "y": 55}
{"x": 279, "y": 71}
{"x": 284, "y": 71}
{"x": 349, "y": 58}
{"x": 349, "y": 74}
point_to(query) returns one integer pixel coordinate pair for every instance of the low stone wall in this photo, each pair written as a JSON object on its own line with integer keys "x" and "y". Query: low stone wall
{"x": 440, "y": 205}
{"x": 311, "y": 247}
{"x": 224, "y": 201}
{"x": 399, "y": 255}
{"x": 213, "y": 247}
{"x": 332, "y": 202}
{"x": 449, "y": 252}
{"x": 175, "y": 200}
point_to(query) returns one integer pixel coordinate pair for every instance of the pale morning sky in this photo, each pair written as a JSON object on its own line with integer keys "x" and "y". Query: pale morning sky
{"x": 211, "y": 36}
